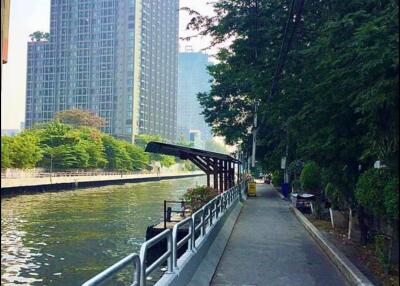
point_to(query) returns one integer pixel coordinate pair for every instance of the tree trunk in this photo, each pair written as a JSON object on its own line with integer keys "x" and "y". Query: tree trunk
{"x": 331, "y": 213}
{"x": 363, "y": 226}
{"x": 350, "y": 223}
{"x": 394, "y": 247}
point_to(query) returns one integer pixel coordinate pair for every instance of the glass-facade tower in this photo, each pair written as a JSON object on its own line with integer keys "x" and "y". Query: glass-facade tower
{"x": 192, "y": 79}
{"x": 117, "y": 58}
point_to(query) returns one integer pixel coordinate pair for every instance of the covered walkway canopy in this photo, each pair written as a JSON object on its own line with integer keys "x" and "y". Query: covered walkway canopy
{"x": 220, "y": 166}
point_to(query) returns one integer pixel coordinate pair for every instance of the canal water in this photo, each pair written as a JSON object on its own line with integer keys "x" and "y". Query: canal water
{"x": 65, "y": 238}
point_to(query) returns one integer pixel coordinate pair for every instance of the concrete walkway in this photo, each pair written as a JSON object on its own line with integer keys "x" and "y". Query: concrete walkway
{"x": 268, "y": 246}
{"x": 30, "y": 182}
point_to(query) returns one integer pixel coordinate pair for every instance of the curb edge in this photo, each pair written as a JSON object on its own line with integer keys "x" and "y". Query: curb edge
{"x": 352, "y": 274}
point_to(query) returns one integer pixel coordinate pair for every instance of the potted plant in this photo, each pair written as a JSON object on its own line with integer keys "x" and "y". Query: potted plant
{"x": 197, "y": 197}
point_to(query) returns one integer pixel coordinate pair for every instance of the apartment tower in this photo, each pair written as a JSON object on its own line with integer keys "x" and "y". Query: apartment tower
{"x": 117, "y": 58}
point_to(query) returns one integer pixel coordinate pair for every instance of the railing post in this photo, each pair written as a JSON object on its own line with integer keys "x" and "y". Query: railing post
{"x": 169, "y": 260}
{"x": 217, "y": 206}
{"x": 143, "y": 254}
{"x": 165, "y": 215}
{"x": 191, "y": 235}
{"x": 211, "y": 213}
{"x": 205, "y": 213}
{"x": 174, "y": 247}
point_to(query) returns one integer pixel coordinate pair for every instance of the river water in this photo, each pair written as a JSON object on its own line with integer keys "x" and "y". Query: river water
{"x": 65, "y": 238}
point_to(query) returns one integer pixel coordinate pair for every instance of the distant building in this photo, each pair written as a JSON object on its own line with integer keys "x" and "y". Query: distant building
{"x": 10, "y": 132}
{"x": 22, "y": 125}
{"x": 116, "y": 58}
{"x": 195, "y": 138}
{"x": 192, "y": 79}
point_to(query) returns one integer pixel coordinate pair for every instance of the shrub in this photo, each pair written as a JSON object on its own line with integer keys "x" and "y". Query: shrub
{"x": 276, "y": 178}
{"x": 196, "y": 197}
{"x": 334, "y": 195}
{"x": 310, "y": 178}
{"x": 5, "y": 152}
{"x": 295, "y": 168}
{"x": 370, "y": 190}
{"x": 382, "y": 251}
{"x": 391, "y": 199}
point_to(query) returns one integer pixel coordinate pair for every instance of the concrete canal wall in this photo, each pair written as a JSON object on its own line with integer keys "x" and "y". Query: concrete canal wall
{"x": 20, "y": 185}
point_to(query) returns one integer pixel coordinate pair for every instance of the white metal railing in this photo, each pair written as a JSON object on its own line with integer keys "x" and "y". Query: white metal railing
{"x": 199, "y": 224}
{"x": 167, "y": 256}
{"x": 109, "y": 272}
{"x": 69, "y": 174}
{"x": 198, "y": 227}
{"x": 177, "y": 244}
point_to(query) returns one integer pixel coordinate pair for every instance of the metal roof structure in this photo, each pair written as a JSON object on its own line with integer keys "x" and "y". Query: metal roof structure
{"x": 218, "y": 165}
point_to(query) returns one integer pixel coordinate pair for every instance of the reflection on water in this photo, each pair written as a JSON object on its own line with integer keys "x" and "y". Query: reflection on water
{"x": 65, "y": 238}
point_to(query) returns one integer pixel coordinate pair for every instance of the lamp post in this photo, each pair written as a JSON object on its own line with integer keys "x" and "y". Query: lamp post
{"x": 51, "y": 167}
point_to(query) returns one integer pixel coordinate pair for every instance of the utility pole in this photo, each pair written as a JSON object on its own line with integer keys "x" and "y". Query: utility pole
{"x": 253, "y": 153}
{"x": 255, "y": 129}
{"x": 286, "y": 178}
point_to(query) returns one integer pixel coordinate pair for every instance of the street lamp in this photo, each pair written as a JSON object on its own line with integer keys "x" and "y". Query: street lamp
{"x": 51, "y": 167}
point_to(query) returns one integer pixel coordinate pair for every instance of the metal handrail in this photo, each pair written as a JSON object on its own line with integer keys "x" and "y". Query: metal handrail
{"x": 217, "y": 206}
{"x": 167, "y": 256}
{"x": 176, "y": 245}
{"x": 212, "y": 212}
{"x": 199, "y": 213}
{"x": 206, "y": 217}
{"x": 209, "y": 215}
{"x": 110, "y": 271}
{"x": 70, "y": 174}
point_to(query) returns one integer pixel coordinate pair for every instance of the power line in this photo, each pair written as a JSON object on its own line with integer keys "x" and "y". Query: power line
{"x": 284, "y": 51}
{"x": 280, "y": 64}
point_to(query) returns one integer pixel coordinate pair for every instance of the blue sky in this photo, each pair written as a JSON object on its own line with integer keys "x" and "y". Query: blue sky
{"x": 27, "y": 16}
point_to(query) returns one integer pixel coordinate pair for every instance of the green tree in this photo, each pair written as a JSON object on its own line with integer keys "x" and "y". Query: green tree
{"x": 38, "y": 36}
{"x": 93, "y": 146}
{"x": 336, "y": 102}
{"x": 335, "y": 196}
{"x": 370, "y": 190}
{"x": 5, "y": 152}
{"x": 143, "y": 139}
{"x": 78, "y": 117}
{"x": 310, "y": 178}
{"x": 24, "y": 151}
{"x": 140, "y": 160}
{"x": 391, "y": 199}
{"x": 214, "y": 146}
{"x": 117, "y": 156}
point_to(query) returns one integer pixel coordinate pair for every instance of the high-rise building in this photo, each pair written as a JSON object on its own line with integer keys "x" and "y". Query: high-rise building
{"x": 118, "y": 58}
{"x": 195, "y": 139}
{"x": 192, "y": 79}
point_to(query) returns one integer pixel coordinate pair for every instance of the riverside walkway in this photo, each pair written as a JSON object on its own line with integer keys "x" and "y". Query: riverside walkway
{"x": 268, "y": 246}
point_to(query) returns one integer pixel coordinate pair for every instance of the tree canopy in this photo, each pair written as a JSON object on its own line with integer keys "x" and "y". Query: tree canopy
{"x": 60, "y": 146}
{"x": 79, "y": 117}
{"x": 39, "y": 36}
{"x": 336, "y": 102}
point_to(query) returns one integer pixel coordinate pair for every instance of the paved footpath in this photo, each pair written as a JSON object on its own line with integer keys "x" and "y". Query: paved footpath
{"x": 269, "y": 247}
